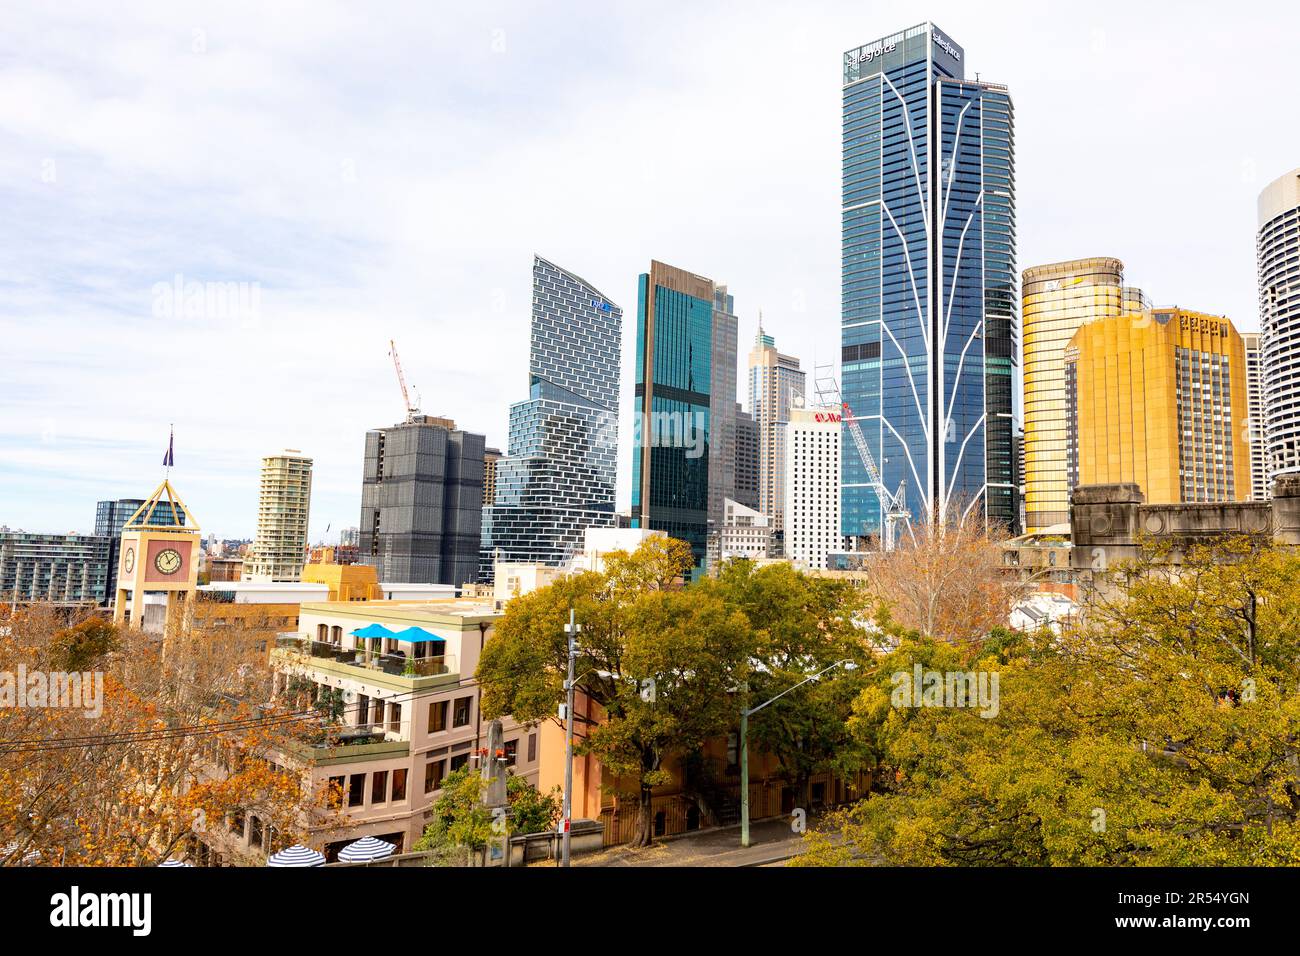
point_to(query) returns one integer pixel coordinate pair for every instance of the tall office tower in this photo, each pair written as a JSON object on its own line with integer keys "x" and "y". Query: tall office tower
{"x": 812, "y": 485}
{"x": 1259, "y": 486}
{"x": 1058, "y": 299}
{"x": 1277, "y": 251}
{"x": 66, "y": 569}
{"x": 110, "y": 516}
{"x": 747, "y": 452}
{"x": 558, "y": 476}
{"x": 1160, "y": 402}
{"x": 722, "y": 407}
{"x": 422, "y": 502}
{"x": 279, "y": 548}
{"x": 929, "y": 322}
{"x": 776, "y": 385}
{"x": 490, "y": 458}
{"x": 674, "y": 396}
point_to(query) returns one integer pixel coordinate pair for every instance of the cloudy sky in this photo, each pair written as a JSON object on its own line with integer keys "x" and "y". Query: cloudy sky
{"x": 377, "y": 171}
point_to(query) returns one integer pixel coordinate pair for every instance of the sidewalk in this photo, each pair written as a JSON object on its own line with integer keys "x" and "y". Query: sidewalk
{"x": 771, "y": 843}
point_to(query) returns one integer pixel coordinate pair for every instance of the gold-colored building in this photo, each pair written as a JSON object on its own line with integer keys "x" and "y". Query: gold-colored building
{"x": 1159, "y": 398}
{"x": 1058, "y": 299}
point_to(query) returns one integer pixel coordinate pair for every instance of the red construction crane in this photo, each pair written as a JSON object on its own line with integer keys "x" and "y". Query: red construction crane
{"x": 411, "y": 410}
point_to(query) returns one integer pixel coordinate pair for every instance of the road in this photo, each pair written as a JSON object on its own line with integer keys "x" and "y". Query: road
{"x": 771, "y": 843}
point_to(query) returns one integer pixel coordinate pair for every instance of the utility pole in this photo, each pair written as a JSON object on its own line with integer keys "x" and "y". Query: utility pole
{"x": 744, "y": 767}
{"x": 572, "y": 629}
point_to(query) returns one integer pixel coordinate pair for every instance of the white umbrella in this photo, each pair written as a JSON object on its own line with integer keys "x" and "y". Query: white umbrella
{"x": 175, "y": 863}
{"x": 296, "y": 856}
{"x": 365, "y": 850}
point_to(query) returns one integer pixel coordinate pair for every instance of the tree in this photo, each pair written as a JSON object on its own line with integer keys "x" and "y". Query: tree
{"x": 462, "y": 822}
{"x": 659, "y": 660}
{"x": 946, "y": 581}
{"x": 1162, "y": 729}
{"x": 802, "y": 625}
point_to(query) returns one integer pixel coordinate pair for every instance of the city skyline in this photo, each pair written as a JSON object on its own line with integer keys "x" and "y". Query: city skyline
{"x": 355, "y": 246}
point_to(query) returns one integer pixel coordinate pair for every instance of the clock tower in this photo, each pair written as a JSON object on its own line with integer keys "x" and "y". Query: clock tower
{"x": 158, "y": 557}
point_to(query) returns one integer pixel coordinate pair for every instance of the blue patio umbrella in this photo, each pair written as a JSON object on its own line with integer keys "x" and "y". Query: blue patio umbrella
{"x": 372, "y": 630}
{"x": 365, "y": 850}
{"x": 417, "y": 635}
{"x": 296, "y": 856}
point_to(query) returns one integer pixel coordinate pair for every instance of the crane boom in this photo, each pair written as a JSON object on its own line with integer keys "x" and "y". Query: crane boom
{"x": 401, "y": 381}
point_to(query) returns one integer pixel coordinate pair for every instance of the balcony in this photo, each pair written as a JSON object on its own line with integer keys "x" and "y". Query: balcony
{"x": 340, "y": 745}
{"x": 398, "y": 665}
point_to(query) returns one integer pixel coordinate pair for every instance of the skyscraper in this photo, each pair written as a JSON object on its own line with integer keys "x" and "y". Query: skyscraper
{"x": 776, "y": 385}
{"x": 558, "y": 476}
{"x": 1160, "y": 402}
{"x": 1277, "y": 250}
{"x": 1058, "y": 299}
{"x": 279, "y": 548}
{"x": 1259, "y": 489}
{"x": 747, "y": 455}
{"x": 422, "y": 502}
{"x": 930, "y": 321}
{"x": 110, "y": 517}
{"x": 811, "y": 472}
{"x": 490, "y": 458}
{"x": 722, "y": 406}
{"x": 674, "y": 399}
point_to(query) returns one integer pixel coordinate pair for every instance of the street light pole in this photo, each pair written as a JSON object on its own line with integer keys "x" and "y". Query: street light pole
{"x": 572, "y": 629}
{"x": 745, "y": 714}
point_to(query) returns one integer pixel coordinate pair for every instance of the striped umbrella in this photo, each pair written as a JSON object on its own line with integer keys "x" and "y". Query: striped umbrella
{"x": 175, "y": 863}
{"x": 365, "y": 850}
{"x": 296, "y": 856}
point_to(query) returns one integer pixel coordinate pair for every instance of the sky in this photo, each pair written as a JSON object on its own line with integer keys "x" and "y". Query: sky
{"x": 367, "y": 172}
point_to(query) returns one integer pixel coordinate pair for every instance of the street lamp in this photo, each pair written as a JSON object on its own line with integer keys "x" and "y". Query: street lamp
{"x": 572, "y": 629}
{"x": 745, "y": 714}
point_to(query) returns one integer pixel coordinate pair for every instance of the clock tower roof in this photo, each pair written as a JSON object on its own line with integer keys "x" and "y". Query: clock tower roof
{"x": 163, "y": 503}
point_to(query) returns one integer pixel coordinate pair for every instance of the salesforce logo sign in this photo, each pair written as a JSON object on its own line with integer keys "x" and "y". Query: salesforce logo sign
{"x": 943, "y": 43}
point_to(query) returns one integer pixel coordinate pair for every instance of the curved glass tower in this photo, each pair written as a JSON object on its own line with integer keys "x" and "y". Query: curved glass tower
{"x": 930, "y": 305}
{"x": 1278, "y": 252}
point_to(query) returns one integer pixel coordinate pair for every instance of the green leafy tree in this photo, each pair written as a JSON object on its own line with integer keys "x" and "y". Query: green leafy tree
{"x": 461, "y": 821}
{"x": 659, "y": 660}
{"x": 802, "y": 625}
{"x": 1162, "y": 730}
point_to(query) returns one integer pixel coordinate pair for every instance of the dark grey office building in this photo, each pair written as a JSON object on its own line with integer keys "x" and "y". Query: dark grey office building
{"x": 422, "y": 502}
{"x": 746, "y": 461}
{"x": 110, "y": 516}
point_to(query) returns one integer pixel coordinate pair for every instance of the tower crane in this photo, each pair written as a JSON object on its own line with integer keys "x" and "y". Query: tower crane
{"x": 893, "y": 505}
{"x": 411, "y": 410}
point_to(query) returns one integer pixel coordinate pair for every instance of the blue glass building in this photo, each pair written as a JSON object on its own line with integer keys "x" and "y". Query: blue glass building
{"x": 930, "y": 323}
{"x": 674, "y": 397}
{"x": 558, "y": 476}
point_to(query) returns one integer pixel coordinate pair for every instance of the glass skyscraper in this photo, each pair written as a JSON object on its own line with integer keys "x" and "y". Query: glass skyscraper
{"x": 558, "y": 476}
{"x": 930, "y": 306}
{"x": 674, "y": 389}
{"x": 111, "y": 517}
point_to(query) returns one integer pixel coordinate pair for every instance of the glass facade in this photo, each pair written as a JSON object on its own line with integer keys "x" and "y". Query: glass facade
{"x": 58, "y": 568}
{"x": 558, "y": 476}
{"x": 674, "y": 385}
{"x": 930, "y": 318}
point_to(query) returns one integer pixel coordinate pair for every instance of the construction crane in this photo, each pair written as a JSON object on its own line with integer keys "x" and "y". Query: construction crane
{"x": 893, "y": 505}
{"x": 411, "y": 410}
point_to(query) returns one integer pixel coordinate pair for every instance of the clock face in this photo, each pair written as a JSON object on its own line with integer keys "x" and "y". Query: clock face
{"x": 168, "y": 561}
{"x": 128, "y": 561}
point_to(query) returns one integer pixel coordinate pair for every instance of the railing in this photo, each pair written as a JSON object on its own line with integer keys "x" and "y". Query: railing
{"x": 398, "y": 665}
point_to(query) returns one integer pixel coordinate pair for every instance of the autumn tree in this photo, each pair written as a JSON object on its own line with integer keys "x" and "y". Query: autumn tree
{"x": 659, "y": 660}
{"x": 1161, "y": 729}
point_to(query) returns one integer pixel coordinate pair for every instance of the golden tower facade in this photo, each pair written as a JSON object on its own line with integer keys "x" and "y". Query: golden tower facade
{"x": 1057, "y": 299}
{"x": 1159, "y": 398}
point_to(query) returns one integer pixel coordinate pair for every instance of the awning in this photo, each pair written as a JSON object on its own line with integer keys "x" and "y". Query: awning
{"x": 418, "y": 635}
{"x": 372, "y": 630}
{"x": 365, "y": 850}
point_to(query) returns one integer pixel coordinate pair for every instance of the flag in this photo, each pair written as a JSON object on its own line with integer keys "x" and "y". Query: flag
{"x": 169, "y": 457}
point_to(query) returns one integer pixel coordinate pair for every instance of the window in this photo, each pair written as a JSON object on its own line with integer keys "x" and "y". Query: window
{"x": 458, "y": 761}
{"x": 460, "y": 717}
{"x": 532, "y": 747}
{"x": 395, "y": 717}
{"x": 336, "y": 788}
{"x": 237, "y": 823}
{"x": 438, "y": 716}
{"x": 433, "y": 772}
{"x": 512, "y": 752}
{"x": 255, "y": 831}
{"x": 399, "y": 784}
{"x": 379, "y": 787}
{"x": 356, "y": 790}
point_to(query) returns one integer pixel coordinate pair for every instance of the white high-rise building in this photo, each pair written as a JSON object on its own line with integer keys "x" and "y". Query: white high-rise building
{"x": 284, "y": 506}
{"x": 1277, "y": 250}
{"x": 776, "y": 383}
{"x": 812, "y": 486}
